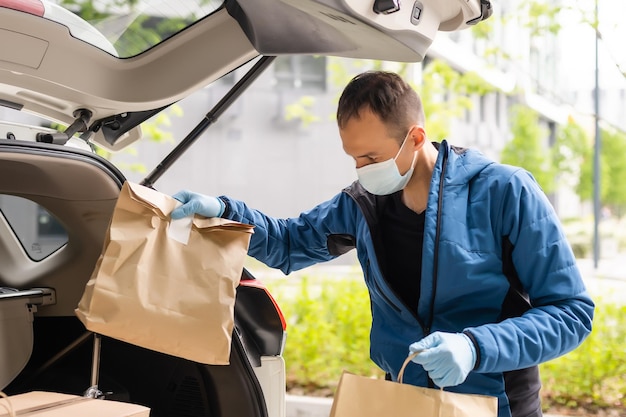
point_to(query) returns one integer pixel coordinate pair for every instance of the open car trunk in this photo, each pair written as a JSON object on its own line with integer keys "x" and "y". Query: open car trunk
{"x": 79, "y": 190}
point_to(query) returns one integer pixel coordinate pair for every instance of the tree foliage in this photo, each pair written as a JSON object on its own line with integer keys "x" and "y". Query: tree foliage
{"x": 446, "y": 94}
{"x": 612, "y": 171}
{"x": 570, "y": 150}
{"x": 570, "y": 147}
{"x": 614, "y": 146}
{"x": 528, "y": 147}
{"x": 541, "y": 17}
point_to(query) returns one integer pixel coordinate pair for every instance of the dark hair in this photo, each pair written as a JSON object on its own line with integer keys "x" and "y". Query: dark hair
{"x": 387, "y": 95}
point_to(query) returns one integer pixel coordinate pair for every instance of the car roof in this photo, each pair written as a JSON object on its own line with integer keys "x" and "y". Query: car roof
{"x": 115, "y": 72}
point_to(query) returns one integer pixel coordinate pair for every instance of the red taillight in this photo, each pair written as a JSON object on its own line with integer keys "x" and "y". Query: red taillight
{"x": 28, "y": 6}
{"x": 257, "y": 284}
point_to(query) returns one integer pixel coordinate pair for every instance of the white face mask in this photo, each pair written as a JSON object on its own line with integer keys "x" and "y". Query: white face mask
{"x": 383, "y": 178}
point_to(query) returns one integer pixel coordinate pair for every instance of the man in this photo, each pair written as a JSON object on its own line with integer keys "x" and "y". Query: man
{"x": 464, "y": 258}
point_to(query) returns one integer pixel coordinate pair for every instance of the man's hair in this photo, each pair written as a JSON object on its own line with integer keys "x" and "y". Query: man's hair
{"x": 387, "y": 95}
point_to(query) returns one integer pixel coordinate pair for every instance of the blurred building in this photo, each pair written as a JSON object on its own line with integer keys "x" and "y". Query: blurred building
{"x": 278, "y": 147}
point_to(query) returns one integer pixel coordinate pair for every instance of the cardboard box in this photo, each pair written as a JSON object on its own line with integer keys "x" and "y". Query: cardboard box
{"x": 52, "y": 404}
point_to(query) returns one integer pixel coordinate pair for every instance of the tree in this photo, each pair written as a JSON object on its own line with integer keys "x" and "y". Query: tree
{"x": 569, "y": 151}
{"x": 446, "y": 94}
{"x": 613, "y": 146}
{"x": 528, "y": 147}
{"x": 570, "y": 146}
{"x": 612, "y": 172}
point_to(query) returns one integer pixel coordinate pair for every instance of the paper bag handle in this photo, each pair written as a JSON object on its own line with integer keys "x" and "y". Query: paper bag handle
{"x": 406, "y": 362}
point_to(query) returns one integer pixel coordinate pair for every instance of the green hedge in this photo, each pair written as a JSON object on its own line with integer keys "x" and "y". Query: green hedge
{"x": 328, "y": 324}
{"x": 594, "y": 374}
{"x": 328, "y": 321}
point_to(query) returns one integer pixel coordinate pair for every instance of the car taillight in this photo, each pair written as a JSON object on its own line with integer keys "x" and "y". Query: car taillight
{"x": 28, "y": 6}
{"x": 253, "y": 282}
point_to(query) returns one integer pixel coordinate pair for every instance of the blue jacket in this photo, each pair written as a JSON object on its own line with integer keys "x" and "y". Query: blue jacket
{"x": 496, "y": 265}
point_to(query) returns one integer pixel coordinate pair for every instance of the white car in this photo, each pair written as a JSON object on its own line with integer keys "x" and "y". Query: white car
{"x": 101, "y": 68}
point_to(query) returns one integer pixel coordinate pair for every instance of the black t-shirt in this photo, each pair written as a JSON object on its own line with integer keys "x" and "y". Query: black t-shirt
{"x": 402, "y": 236}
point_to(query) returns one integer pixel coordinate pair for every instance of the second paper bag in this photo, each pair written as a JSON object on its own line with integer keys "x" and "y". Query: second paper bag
{"x": 359, "y": 396}
{"x": 163, "y": 285}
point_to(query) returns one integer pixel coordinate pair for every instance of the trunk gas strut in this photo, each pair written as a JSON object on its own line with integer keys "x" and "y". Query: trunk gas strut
{"x": 210, "y": 118}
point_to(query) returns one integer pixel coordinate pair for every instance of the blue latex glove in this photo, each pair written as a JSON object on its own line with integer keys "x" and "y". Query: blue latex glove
{"x": 194, "y": 203}
{"x": 447, "y": 357}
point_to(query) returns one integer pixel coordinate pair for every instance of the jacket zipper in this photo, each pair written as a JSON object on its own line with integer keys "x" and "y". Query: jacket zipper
{"x": 425, "y": 328}
{"x": 437, "y": 237}
{"x": 429, "y": 324}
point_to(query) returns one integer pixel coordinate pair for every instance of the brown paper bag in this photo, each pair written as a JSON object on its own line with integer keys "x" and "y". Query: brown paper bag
{"x": 359, "y": 396}
{"x": 166, "y": 285}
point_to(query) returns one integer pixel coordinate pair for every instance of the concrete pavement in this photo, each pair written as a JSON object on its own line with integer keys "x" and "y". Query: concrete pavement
{"x": 300, "y": 406}
{"x": 607, "y": 268}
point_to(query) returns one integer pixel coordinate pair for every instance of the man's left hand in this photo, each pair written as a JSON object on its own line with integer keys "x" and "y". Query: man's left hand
{"x": 447, "y": 357}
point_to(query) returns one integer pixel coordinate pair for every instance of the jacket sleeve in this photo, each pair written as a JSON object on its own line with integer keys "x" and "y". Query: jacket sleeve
{"x": 562, "y": 312}
{"x": 317, "y": 235}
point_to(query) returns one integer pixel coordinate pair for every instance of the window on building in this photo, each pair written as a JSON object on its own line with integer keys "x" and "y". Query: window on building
{"x": 498, "y": 110}
{"x": 482, "y": 108}
{"x": 38, "y": 231}
{"x": 305, "y": 72}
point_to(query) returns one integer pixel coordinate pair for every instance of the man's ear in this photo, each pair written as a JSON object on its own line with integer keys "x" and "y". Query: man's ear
{"x": 418, "y": 137}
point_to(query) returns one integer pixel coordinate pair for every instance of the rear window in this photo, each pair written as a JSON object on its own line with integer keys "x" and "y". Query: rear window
{"x": 37, "y": 230}
{"x": 122, "y": 28}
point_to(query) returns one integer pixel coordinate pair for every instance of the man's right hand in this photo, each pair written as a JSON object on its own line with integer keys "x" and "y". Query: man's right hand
{"x": 194, "y": 203}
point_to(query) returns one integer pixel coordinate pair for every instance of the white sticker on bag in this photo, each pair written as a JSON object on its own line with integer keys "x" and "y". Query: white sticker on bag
{"x": 180, "y": 229}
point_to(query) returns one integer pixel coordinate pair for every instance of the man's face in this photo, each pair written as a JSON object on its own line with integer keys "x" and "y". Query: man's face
{"x": 366, "y": 139}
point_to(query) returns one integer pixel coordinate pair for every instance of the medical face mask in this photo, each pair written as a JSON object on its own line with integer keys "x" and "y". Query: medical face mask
{"x": 384, "y": 178}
